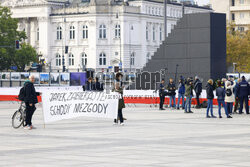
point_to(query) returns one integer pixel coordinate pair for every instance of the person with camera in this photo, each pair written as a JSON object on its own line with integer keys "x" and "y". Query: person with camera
{"x": 210, "y": 97}
{"x": 198, "y": 90}
{"x": 230, "y": 98}
{"x": 181, "y": 93}
{"x": 171, "y": 91}
{"x": 189, "y": 94}
{"x": 162, "y": 93}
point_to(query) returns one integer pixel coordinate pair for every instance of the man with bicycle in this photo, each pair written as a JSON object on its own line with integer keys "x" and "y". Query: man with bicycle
{"x": 30, "y": 100}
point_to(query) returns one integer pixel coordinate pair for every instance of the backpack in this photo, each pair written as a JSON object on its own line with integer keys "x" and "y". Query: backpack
{"x": 228, "y": 92}
{"x": 22, "y": 94}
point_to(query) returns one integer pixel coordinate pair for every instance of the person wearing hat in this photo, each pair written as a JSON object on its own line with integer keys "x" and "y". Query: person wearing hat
{"x": 242, "y": 93}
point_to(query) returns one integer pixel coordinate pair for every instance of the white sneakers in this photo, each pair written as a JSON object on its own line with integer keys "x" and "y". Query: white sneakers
{"x": 27, "y": 128}
{"x": 121, "y": 124}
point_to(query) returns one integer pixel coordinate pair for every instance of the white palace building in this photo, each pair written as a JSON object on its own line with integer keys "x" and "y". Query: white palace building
{"x": 99, "y": 33}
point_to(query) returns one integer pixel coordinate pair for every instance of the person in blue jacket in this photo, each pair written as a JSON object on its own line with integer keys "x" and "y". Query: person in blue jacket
{"x": 220, "y": 93}
{"x": 181, "y": 93}
{"x": 242, "y": 93}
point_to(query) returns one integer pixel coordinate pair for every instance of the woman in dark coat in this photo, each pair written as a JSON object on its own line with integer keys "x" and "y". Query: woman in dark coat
{"x": 119, "y": 88}
{"x": 210, "y": 96}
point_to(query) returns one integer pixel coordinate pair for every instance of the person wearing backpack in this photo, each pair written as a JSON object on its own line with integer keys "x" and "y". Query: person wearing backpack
{"x": 242, "y": 93}
{"x": 210, "y": 96}
{"x": 230, "y": 98}
{"x": 220, "y": 93}
{"x": 30, "y": 100}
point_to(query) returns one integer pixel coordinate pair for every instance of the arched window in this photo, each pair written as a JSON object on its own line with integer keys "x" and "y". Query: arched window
{"x": 102, "y": 59}
{"x": 37, "y": 34}
{"x": 59, "y": 33}
{"x": 85, "y": 32}
{"x": 71, "y": 60}
{"x": 132, "y": 59}
{"x": 154, "y": 33}
{"x": 84, "y": 59}
{"x": 102, "y": 31}
{"x": 160, "y": 33}
{"x": 71, "y": 32}
{"x": 147, "y": 33}
{"x": 148, "y": 57}
{"x": 58, "y": 60}
{"x": 117, "y": 31}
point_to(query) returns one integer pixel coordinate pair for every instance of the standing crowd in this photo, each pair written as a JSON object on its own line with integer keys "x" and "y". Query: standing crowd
{"x": 229, "y": 92}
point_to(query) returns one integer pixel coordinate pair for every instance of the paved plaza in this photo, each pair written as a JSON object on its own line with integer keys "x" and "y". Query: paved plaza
{"x": 150, "y": 138}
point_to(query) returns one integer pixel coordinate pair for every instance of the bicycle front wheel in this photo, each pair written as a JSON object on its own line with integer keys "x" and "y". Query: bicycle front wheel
{"x": 17, "y": 119}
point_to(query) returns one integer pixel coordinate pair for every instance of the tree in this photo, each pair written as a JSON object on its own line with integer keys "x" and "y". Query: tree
{"x": 238, "y": 44}
{"x": 8, "y": 36}
{"x": 24, "y": 56}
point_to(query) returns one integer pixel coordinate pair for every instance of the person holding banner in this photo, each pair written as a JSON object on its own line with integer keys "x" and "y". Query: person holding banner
{"x": 30, "y": 100}
{"x": 119, "y": 88}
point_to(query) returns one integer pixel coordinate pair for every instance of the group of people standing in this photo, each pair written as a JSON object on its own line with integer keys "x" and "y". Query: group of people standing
{"x": 228, "y": 92}
{"x": 185, "y": 88}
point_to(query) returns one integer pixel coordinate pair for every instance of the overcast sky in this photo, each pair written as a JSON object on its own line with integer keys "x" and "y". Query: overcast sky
{"x": 202, "y": 2}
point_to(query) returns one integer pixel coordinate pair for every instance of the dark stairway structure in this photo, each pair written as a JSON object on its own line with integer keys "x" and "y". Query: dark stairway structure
{"x": 196, "y": 46}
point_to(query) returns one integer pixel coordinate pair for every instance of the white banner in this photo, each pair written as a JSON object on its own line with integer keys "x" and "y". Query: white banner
{"x": 66, "y": 104}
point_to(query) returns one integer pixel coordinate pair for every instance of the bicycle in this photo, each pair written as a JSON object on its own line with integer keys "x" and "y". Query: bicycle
{"x": 18, "y": 118}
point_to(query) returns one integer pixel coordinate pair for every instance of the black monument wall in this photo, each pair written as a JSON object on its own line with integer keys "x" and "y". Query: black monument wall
{"x": 197, "y": 45}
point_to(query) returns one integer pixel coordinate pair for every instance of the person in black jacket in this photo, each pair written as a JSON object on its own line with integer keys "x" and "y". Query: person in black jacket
{"x": 198, "y": 90}
{"x": 162, "y": 94}
{"x": 97, "y": 86}
{"x": 171, "y": 90}
{"x": 89, "y": 84}
{"x": 30, "y": 100}
{"x": 242, "y": 93}
{"x": 210, "y": 96}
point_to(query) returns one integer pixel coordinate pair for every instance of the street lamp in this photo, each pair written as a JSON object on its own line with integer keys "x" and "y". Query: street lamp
{"x": 165, "y": 19}
{"x": 234, "y": 67}
{"x": 130, "y": 29}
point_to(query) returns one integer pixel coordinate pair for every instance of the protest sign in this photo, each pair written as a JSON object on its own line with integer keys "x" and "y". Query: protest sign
{"x": 63, "y": 104}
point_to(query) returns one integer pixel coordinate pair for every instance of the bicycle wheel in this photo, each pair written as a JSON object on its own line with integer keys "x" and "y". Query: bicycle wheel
{"x": 17, "y": 119}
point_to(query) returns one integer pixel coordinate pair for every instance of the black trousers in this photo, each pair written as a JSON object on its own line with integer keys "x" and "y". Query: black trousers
{"x": 242, "y": 100}
{"x": 162, "y": 99}
{"x": 237, "y": 101}
{"x": 120, "y": 116}
{"x": 29, "y": 113}
{"x": 198, "y": 99}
